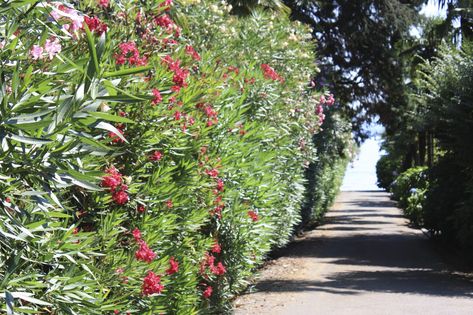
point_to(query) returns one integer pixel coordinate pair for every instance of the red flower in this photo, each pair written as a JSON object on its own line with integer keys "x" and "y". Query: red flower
{"x": 216, "y": 248}
{"x": 95, "y": 25}
{"x": 104, "y": 3}
{"x": 144, "y": 253}
{"x": 191, "y": 52}
{"x": 169, "y": 204}
{"x": 116, "y": 312}
{"x": 113, "y": 180}
{"x": 253, "y": 215}
{"x": 140, "y": 208}
{"x": 156, "y": 156}
{"x": 164, "y": 21}
{"x": 152, "y": 284}
{"x": 220, "y": 185}
{"x": 180, "y": 76}
{"x": 177, "y": 115}
{"x": 173, "y": 266}
{"x": 136, "y": 234}
{"x": 157, "y": 97}
{"x": 120, "y": 197}
{"x": 218, "y": 270}
{"x": 207, "y": 292}
{"x": 115, "y": 138}
{"x": 212, "y": 173}
{"x": 269, "y": 73}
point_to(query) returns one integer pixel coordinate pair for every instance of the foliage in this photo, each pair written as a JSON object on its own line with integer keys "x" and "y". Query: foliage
{"x": 360, "y": 55}
{"x": 335, "y": 149}
{"x": 148, "y": 161}
{"x": 386, "y": 171}
{"x": 409, "y": 189}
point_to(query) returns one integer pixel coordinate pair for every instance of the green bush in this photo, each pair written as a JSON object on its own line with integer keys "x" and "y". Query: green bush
{"x": 147, "y": 166}
{"x": 386, "y": 171}
{"x": 409, "y": 189}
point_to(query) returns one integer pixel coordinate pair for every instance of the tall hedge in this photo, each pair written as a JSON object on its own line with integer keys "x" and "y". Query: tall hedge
{"x": 148, "y": 162}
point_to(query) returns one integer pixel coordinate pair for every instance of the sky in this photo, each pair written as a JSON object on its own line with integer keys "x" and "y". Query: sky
{"x": 432, "y": 9}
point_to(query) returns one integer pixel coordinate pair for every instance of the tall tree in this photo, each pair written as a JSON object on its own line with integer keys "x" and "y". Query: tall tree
{"x": 358, "y": 47}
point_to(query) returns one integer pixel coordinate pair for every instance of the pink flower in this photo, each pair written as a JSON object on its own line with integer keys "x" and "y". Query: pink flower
{"x": 220, "y": 185}
{"x": 136, "y": 234}
{"x": 177, "y": 115}
{"x": 103, "y": 3}
{"x": 152, "y": 284}
{"x": 120, "y": 197}
{"x": 52, "y": 47}
{"x": 212, "y": 173}
{"x": 269, "y": 73}
{"x": 173, "y": 266}
{"x": 113, "y": 180}
{"x": 217, "y": 270}
{"x": 144, "y": 253}
{"x": 95, "y": 25}
{"x": 216, "y": 248}
{"x": 157, "y": 98}
{"x": 36, "y": 52}
{"x": 191, "y": 52}
{"x": 169, "y": 204}
{"x": 164, "y": 21}
{"x": 156, "y": 156}
{"x": 207, "y": 292}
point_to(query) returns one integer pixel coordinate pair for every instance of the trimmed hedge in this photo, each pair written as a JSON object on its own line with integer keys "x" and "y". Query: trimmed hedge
{"x": 148, "y": 163}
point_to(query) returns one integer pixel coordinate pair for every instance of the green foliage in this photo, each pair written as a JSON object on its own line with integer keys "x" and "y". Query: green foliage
{"x": 132, "y": 130}
{"x": 386, "y": 170}
{"x": 409, "y": 190}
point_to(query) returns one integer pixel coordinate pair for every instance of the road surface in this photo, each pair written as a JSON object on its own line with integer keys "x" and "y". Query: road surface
{"x": 364, "y": 260}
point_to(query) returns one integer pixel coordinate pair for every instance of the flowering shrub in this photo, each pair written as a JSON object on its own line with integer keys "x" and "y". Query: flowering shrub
{"x": 146, "y": 167}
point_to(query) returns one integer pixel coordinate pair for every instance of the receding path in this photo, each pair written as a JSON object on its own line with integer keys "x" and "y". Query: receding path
{"x": 365, "y": 260}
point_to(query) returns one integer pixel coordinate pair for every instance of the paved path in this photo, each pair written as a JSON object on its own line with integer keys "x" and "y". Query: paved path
{"x": 365, "y": 260}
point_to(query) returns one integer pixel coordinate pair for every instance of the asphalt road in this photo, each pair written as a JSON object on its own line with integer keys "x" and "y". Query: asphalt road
{"x": 365, "y": 260}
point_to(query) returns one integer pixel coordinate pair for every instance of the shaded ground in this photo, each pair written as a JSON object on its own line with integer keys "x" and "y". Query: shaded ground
{"x": 365, "y": 260}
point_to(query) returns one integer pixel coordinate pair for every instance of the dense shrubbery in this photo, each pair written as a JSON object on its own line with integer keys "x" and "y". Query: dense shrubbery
{"x": 144, "y": 171}
{"x": 441, "y": 110}
{"x": 409, "y": 190}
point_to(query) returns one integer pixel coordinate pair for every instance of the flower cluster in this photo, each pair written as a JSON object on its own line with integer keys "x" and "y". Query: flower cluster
{"x": 173, "y": 266}
{"x": 144, "y": 253}
{"x": 152, "y": 284}
{"x": 129, "y": 54}
{"x": 114, "y": 181}
{"x": 51, "y": 47}
{"x": 210, "y": 113}
{"x": 253, "y": 215}
{"x": 180, "y": 74}
{"x": 191, "y": 52}
{"x": 270, "y": 74}
{"x": 95, "y": 25}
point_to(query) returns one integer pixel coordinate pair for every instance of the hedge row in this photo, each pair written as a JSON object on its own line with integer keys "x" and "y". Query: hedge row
{"x": 439, "y": 196}
{"x": 148, "y": 162}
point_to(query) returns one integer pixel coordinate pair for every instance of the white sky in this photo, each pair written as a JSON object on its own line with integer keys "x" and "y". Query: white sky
{"x": 432, "y": 9}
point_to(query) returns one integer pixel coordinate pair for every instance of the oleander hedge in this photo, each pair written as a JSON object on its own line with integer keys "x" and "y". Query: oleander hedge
{"x": 149, "y": 161}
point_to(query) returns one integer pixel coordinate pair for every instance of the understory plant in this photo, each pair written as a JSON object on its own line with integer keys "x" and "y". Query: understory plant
{"x": 143, "y": 169}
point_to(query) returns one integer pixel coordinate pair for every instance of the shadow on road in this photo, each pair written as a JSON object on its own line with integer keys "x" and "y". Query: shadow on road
{"x": 380, "y": 252}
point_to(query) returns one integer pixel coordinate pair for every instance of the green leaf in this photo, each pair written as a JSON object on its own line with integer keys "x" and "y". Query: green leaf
{"x": 28, "y": 140}
{"x": 111, "y": 117}
{"x": 106, "y": 126}
{"x": 128, "y": 71}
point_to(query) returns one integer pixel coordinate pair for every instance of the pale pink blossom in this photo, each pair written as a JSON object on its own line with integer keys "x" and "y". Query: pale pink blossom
{"x": 52, "y": 47}
{"x": 36, "y": 52}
